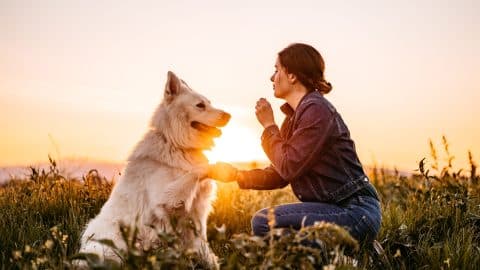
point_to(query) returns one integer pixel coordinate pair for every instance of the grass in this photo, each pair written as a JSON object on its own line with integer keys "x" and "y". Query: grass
{"x": 431, "y": 220}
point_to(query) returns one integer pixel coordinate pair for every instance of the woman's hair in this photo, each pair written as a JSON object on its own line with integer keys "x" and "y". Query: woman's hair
{"x": 307, "y": 64}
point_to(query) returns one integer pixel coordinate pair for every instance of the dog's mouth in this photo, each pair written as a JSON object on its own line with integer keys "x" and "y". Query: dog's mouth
{"x": 213, "y": 131}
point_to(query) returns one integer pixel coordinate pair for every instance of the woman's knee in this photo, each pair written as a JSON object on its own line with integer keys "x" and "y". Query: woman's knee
{"x": 260, "y": 223}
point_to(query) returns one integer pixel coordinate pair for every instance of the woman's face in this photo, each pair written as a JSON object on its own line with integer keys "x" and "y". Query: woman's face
{"x": 281, "y": 85}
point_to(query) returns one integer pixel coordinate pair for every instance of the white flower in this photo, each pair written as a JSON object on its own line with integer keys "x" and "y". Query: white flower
{"x": 17, "y": 254}
{"x": 329, "y": 267}
{"x": 48, "y": 244}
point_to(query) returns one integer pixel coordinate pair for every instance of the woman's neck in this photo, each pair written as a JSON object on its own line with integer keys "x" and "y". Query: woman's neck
{"x": 295, "y": 96}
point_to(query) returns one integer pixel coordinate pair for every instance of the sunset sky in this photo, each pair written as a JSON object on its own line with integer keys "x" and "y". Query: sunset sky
{"x": 80, "y": 79}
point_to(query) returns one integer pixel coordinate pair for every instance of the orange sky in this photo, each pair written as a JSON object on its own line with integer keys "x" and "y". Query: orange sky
{"x": 80, "y": 79}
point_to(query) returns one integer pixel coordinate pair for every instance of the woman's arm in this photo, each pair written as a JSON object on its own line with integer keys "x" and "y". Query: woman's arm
{"x": 260, "y": 179}
{"x": 293, "y": 156}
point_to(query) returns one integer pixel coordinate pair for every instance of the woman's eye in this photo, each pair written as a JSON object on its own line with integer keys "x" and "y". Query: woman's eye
{"x": 201, "y": 105}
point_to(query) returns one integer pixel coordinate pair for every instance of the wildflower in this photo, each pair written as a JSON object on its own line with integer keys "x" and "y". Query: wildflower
{"x": 41, "y": 260}
{"x": 329, "y": 267}
{"x": 33, "y": 265}
{"x": 397, "y": 254}
{"x": 17, "y": 254}
{"x": 65, "y": 238}
{"x": 28, "y": 249}
{"x": 152, "y": 260}
{"x": 447, "y": 262}
{"x": 54, "y": 229}
{"x": 48, "y": 244}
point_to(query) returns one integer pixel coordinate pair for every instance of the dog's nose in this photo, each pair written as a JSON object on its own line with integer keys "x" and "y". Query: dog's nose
{"x": 226, "y": 117}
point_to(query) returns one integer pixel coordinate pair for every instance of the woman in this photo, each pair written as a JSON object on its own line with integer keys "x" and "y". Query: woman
{"x": 312, "y": 151}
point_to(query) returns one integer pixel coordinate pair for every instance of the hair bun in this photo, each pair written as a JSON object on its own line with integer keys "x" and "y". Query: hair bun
{"x": 324, "y": 87}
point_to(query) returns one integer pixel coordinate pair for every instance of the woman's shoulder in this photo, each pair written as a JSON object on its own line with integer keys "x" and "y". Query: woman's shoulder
{"x": 316, "y": 103}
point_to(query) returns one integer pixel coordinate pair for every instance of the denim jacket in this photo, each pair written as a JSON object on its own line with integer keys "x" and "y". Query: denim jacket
{"x": 312, "y": 151}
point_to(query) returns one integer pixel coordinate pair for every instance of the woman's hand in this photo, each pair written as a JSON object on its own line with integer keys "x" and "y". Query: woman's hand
{"x": 264, "y": 113}
{"x": 222, "y": 171}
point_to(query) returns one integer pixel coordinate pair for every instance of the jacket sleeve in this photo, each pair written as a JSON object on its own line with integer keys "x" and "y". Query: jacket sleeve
{"x": 260, "y": 179}
{"x": 293, "y": 156}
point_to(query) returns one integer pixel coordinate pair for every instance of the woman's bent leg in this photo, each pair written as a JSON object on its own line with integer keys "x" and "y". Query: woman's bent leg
{"x": 361, "y": 217}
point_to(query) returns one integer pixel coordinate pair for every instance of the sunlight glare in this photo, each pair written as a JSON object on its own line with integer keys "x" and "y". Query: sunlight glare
{"x": 237, "y": 144}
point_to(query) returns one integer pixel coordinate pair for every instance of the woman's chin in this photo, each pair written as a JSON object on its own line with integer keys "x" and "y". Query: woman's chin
{"x": 277, "y": 94}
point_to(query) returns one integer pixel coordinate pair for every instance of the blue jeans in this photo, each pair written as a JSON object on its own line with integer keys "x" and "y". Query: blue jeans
{"x": 361, "y": 216}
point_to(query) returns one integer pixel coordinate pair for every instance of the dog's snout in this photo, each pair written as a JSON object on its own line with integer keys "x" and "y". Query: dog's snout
{"x": 226, "y": 116}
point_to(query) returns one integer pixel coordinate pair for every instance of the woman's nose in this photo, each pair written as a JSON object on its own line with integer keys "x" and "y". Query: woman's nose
{"x": 271, "y": 78}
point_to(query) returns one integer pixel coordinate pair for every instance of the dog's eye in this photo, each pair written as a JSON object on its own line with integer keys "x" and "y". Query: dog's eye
{"x": 201, "y": 105}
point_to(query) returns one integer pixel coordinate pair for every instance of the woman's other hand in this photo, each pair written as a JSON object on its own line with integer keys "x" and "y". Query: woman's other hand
{"x": 264, "y": 113}
{"x": 223, "y": 172}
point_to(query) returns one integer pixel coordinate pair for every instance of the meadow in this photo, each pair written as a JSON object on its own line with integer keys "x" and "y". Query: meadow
{"x": 431, "y": 220}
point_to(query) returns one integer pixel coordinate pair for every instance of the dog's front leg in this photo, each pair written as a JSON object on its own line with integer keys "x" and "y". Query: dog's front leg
{"x": 203, "y": 249}
{"x": 182, "y": 191}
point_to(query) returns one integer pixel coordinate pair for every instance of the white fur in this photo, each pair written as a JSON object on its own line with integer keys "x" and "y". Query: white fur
{"x": 164, "y": 177}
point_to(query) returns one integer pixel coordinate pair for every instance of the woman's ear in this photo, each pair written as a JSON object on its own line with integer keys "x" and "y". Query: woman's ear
{"x": 292, "y": 78}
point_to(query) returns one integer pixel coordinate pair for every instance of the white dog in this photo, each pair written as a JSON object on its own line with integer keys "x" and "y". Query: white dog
{"x": 164, "y": 177}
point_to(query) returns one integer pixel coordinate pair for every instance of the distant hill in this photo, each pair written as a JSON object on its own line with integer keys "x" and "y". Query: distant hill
{"x": 71, "y": 168}
{"x": 76, "y": 168}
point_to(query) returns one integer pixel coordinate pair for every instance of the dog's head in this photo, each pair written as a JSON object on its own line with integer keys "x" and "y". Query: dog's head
{"x": 186, "y": 118}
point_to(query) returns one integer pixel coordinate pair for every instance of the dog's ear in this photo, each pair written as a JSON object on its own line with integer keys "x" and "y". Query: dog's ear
{"x": 172, "y": 87}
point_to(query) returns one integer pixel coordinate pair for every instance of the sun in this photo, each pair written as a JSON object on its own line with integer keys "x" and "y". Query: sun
{"x": 237, "y": 144}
